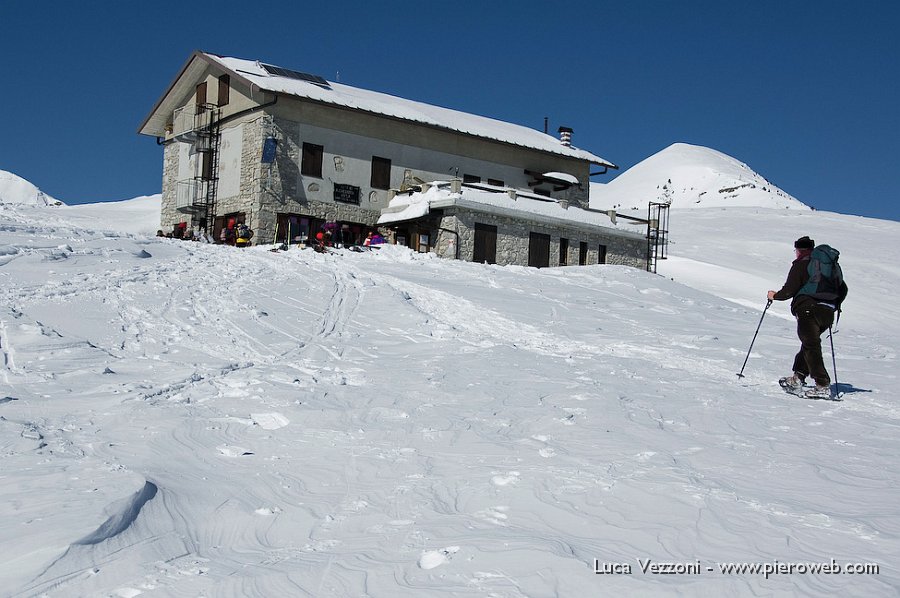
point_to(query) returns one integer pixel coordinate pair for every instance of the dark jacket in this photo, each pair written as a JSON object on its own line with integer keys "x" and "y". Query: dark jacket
{"x": 796, "y": 278}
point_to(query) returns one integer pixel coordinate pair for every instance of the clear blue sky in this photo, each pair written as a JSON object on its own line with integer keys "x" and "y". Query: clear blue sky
{"x": 806, "y": 93}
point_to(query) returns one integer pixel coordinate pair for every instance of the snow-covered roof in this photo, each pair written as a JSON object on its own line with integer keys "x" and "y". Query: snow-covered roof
{"x": 525, "y": 205}
{"x": 346, "y": 96}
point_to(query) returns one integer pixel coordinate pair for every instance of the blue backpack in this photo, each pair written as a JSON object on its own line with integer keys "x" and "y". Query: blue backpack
{"x": 826, "y": 280}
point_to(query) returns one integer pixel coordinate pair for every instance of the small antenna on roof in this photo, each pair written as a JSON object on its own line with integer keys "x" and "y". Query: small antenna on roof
{"x": 546, "y": 125}
{"x": 337, "y": 77}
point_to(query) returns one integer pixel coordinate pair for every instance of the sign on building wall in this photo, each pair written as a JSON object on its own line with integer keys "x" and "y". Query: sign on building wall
{"x": 268, "y": 153}
{"x": 346, "y": 194}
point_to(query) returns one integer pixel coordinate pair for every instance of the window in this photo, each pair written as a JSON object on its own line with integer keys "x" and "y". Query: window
{"x": 381, "y": 173}
{"x": 538, "y": 250}
{"x": 471, "y": 178}
{"x": 206, "y": 172}
{"x": 224, "y": 89}
{"x": 311, "y": 161}
{"x": 496, "y": 183}
{"x": 563, "y": 252}
{"x": 582, "y": 253}
{"x": 485, "y": 244}
{"x": 601, "y": 254}
{"x": 201, "y": 94}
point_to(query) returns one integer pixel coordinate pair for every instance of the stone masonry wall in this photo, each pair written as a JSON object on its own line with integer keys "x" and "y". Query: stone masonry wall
{"x": 277, "y": 185}
{"x": 168, "y": 215}
{"x": 513, "y": 241}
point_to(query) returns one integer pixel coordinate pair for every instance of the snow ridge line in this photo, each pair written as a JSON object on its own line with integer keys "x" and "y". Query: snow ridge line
{"x": 122, "y": 520}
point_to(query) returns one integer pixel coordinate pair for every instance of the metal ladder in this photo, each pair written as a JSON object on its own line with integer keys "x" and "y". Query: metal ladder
{"x": 210, "y": 138}
{"x": 657, "y": 234}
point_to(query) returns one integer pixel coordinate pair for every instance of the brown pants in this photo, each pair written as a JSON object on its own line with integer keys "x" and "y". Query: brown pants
{"x": 812, "y": 320}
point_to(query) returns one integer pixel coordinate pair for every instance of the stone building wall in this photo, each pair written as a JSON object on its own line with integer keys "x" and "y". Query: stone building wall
{"x": 265, "y": 190}
{"x": 278, "y": 186}
{"x": 168, "y": 215}
{"x": 513, "y": 240}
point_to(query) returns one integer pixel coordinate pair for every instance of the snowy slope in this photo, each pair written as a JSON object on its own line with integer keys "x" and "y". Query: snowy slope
{"x": 138, "y": 216}
{"x": 740, "y": 253}
{"x": 180, "y": 419}
{"x": 16, "y": 190}
{"x": 690, "y": 176}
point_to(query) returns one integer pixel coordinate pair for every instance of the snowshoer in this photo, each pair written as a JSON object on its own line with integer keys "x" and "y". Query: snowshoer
{"x": 815, "y": 315}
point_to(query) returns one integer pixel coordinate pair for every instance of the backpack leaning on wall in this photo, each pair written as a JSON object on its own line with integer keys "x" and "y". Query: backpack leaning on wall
{"x": 826, "y": 280}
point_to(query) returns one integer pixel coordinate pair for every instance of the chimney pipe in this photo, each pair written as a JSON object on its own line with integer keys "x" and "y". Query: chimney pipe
{"x": 565, "y": 136}
{"x": 546, "y": 125}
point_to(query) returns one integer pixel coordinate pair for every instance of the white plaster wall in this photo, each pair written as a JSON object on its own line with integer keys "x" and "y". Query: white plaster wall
{"x": 348, "y": 159}
{"x": 188, "y": 162}
{"x": 230, "y": 161}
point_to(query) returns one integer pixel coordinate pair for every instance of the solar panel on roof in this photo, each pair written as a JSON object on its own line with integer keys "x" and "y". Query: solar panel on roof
{"x": 283, "y": 72}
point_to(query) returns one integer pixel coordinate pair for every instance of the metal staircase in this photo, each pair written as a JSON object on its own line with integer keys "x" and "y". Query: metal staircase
{"x": 198, "y": 124}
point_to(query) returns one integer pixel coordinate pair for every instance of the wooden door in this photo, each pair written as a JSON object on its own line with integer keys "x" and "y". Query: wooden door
{"x": 538, "y": 250}
{"x": 485, "y": 244}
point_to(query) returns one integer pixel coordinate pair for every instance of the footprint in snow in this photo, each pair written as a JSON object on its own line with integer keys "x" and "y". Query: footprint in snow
{"x": 233, "y": 451}
{"x": 506, "y": 480}
{"x": 269, "y": 421}
{"x": 435, "y": 558}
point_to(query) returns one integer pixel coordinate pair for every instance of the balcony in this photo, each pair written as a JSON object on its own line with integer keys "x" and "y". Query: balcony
{"x": 191, "y": 121}
{"x": 190, "y": 195}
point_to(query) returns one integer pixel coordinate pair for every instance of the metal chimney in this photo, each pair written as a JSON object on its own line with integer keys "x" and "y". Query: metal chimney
{"x": 565, "y": 136}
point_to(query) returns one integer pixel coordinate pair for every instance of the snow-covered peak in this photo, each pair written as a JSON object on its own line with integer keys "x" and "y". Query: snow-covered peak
{"x": 16, "y": 190}
{"x": 690, "y": 176}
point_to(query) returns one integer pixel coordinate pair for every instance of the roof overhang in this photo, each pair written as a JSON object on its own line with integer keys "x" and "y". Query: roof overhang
{"x": 181, "y": 87}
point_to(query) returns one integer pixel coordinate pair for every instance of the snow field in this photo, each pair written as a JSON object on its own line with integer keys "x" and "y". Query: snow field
{"x": 185, "y": 419}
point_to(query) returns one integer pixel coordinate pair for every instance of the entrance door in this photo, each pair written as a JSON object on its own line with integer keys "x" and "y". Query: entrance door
{"x": 538, "y": 250}
{"x": 221, "y": 222}
{"x": 485, "y": 244}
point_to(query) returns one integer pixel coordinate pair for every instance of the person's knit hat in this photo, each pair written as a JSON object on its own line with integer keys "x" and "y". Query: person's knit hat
{"x": 804, "y": 243}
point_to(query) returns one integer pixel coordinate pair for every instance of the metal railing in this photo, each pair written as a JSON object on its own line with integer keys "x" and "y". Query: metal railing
{"x": 193, "y": 118}
{"x": 189, "y": 194}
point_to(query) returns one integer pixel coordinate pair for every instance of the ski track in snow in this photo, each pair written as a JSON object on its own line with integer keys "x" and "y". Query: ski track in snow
{"x": 207, "y": 421}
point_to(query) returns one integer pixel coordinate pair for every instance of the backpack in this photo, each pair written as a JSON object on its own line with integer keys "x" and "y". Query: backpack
{"x": 826, "y": 280}
{"x": 244, "y": 232}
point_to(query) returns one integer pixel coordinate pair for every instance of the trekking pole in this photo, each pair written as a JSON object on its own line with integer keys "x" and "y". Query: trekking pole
{"x": 833, "y": 362}
{"x": 768, "y": 303}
